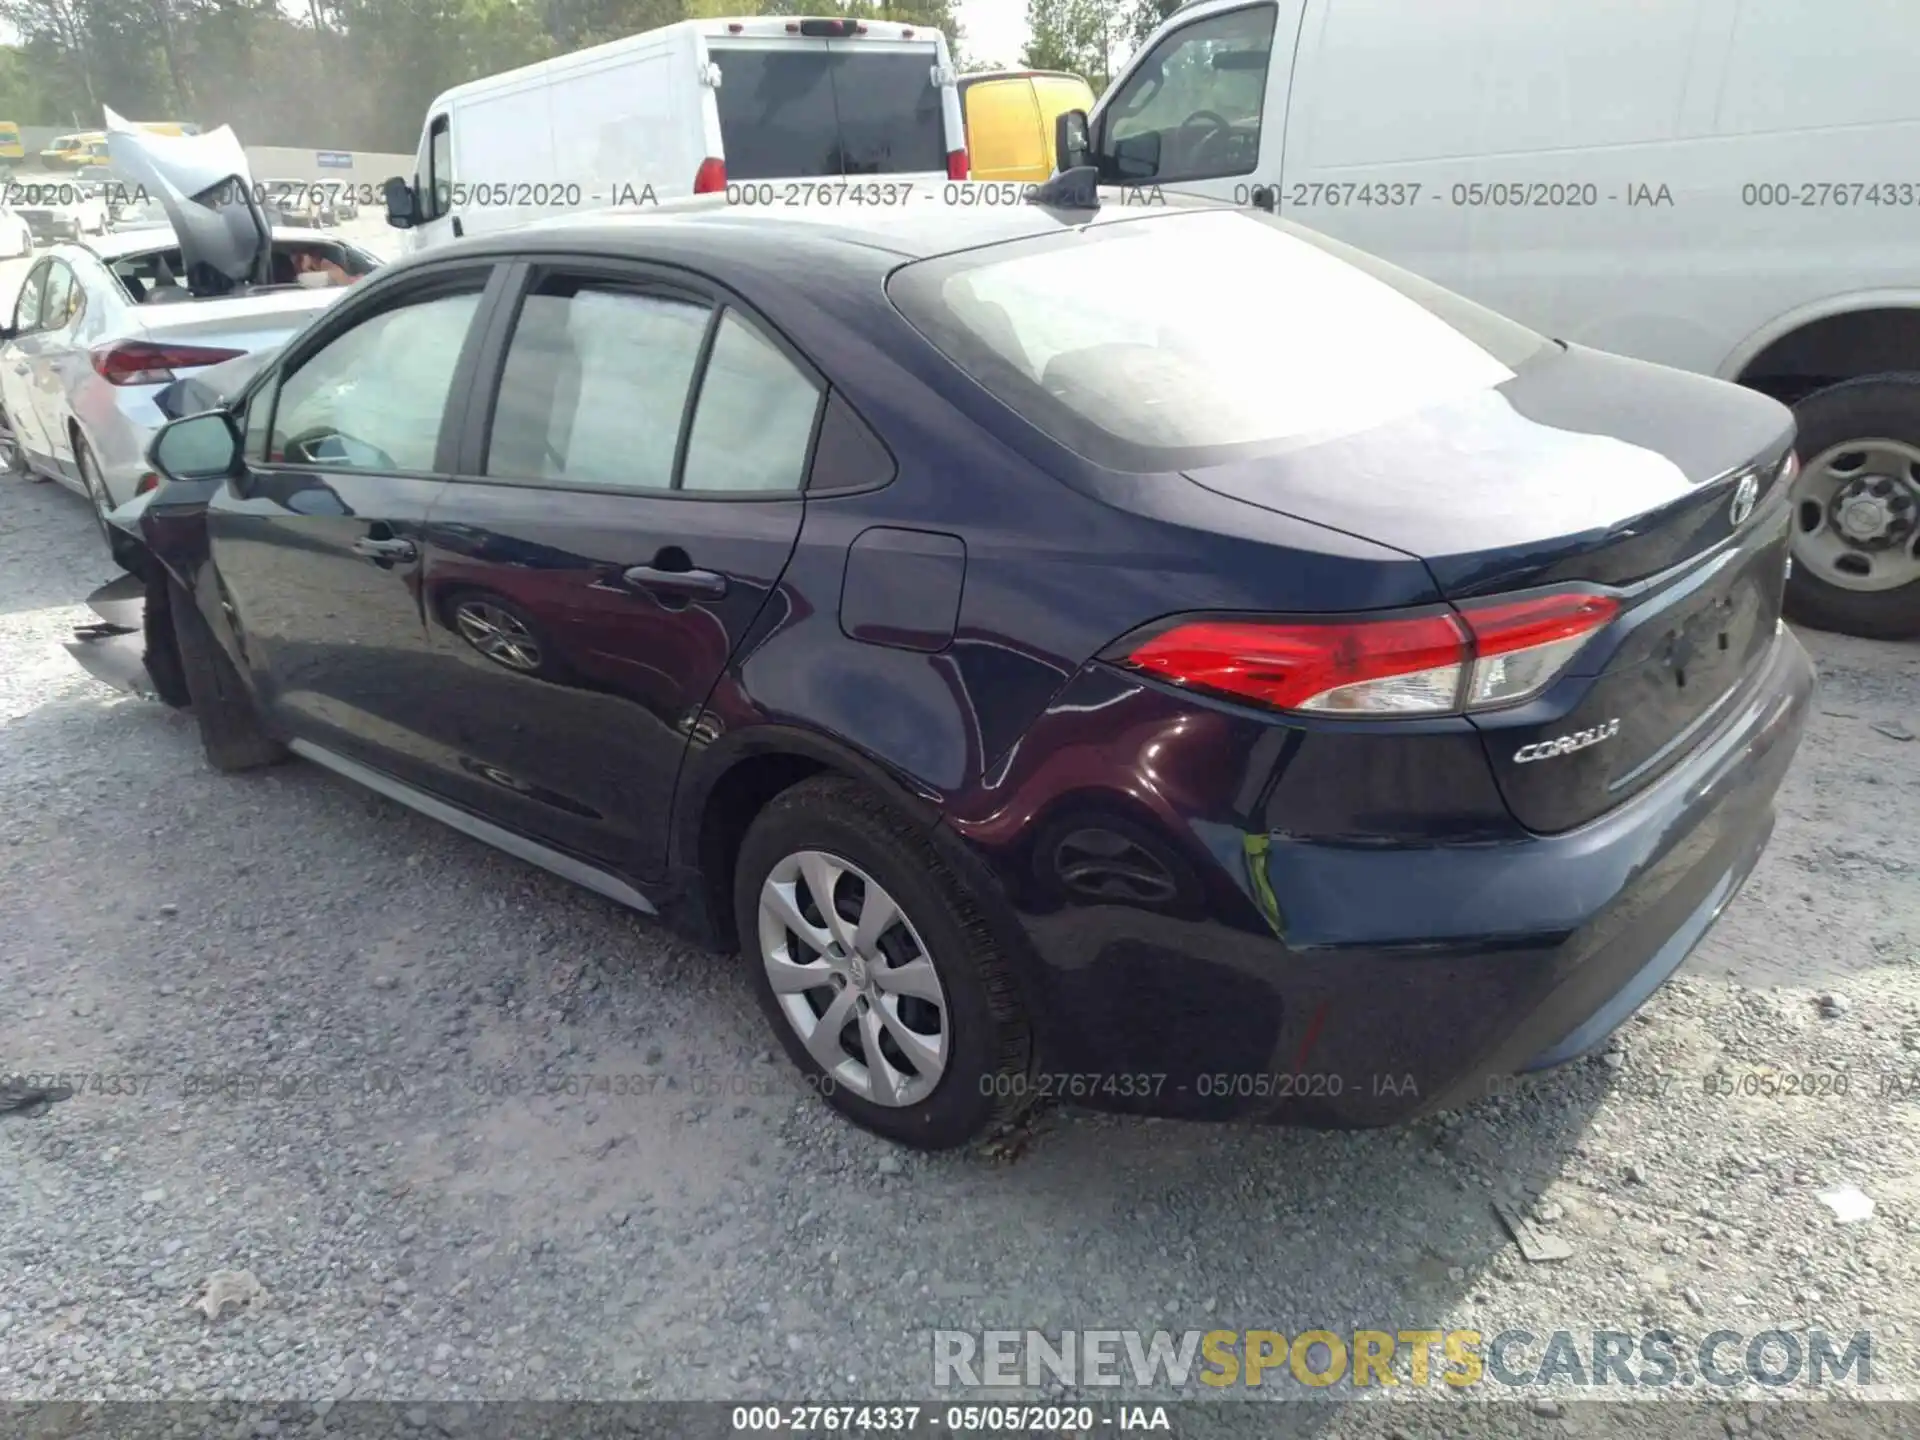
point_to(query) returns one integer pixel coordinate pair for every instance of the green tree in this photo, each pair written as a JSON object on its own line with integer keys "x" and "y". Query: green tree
{"x": 1081, "y": 36}
{"x": 1145, "y": 18}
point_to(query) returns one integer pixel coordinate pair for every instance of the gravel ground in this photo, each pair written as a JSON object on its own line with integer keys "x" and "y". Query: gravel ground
{"x": 431, "y": 1216}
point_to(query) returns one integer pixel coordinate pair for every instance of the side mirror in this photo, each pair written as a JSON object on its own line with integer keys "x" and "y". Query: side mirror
{"x": 1071, "y": 145}
{"x": 198, "y": 447}
{"x": 400, "y": 207}
{"x": 7, "y": 332}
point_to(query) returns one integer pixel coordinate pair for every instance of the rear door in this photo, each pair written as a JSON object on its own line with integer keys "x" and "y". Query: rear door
{"x": 626, "y": 504}
{"x": 807, "y": 108}
{"x": 16, "y": 363}
{"x": 52, "y": 358}
{"x": 1003, "y": 129}
{"x": 319, "y": 550}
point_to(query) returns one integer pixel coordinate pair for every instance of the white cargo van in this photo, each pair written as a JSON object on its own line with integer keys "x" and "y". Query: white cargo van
{"x": 1727, "y": 186}
{"x": 684, "y": 110}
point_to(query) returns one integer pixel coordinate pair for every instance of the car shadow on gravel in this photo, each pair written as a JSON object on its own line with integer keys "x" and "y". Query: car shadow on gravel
{"x": 1416, "y": 1201}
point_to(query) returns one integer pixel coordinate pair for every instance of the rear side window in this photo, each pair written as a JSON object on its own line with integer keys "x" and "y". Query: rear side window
{"x": 61, "y": 300}
{"x": 754, "y": 421}
{"x": 374, "y": 397}
{"x": 26, "y": 309}
{"x": 806, "y": 110}
{"x": 1254, "y": 333}
{"x": 595, "y": 385}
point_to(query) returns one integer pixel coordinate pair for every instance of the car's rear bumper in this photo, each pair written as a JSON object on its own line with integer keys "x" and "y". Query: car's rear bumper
{"x": 1360, "y": 980}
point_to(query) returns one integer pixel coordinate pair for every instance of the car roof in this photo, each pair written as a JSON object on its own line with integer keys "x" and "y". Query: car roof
{"x": 975, "y": 77}
{"x": 886, "y": 235}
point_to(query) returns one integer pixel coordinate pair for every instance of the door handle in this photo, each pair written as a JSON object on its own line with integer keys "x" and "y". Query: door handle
{"x": 384, "y": 549}
{"x": 705, "y": 584}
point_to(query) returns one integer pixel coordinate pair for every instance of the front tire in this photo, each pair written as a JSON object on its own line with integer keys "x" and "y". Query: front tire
{"x": 877, "y": 969}
{"x": 230, "y": 728}
{"x": 1856, "y": 509}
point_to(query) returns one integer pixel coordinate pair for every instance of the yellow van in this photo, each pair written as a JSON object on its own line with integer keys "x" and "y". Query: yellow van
{"x": 69, "y": 152}
{"x": 10, "y": 146}
{"x": 1010, "y": 115}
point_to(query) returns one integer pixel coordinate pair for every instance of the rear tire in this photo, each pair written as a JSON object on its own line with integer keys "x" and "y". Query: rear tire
{"x": 982, "y": 1030}
{"x": 1867, "y": 417}
{"x": 230, "y": 728}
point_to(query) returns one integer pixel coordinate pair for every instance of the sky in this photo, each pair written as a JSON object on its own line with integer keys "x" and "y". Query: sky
{"x": 996, "y": 29}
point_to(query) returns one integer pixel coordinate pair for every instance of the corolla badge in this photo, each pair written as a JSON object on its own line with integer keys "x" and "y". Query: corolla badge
{"x": 1746, "y": 495}
{"x": 1566, "y": 744}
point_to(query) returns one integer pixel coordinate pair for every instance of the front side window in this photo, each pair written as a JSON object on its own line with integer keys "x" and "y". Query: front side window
{"x": 595, "y": 387}
{"x": 440, "y": 167}
{"x": 1192, "y": 109}
{"x": 754, "y": 420}
{"x": 374, "y": 397}
{"x": 1252, "y": 332}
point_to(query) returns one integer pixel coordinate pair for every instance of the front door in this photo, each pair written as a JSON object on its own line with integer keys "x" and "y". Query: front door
{"x": 1204, "y": 111}
{"x": 608, "y": 545}
{"x": 320, "y": 547}
{"x": 435, "y": 219}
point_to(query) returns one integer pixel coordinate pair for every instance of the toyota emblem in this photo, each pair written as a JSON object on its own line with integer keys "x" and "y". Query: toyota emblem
{"x": 1746, "y": 495}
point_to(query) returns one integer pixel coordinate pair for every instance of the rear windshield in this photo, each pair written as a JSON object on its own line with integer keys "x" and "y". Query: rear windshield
{"x": 806, "y": 110}
{"x": 1197, "y": 337}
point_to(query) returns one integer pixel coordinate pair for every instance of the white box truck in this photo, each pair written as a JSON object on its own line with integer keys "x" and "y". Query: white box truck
{"x": 685, "y": 110}
{"x": 1727, "y": 186}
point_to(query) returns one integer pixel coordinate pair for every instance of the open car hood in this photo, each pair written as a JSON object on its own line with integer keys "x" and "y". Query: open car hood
{"x": 204, "y": 184}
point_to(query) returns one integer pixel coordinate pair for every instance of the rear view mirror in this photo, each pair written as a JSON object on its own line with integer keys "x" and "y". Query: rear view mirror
{"x": 1070, "y": 142}
{"x": 200, "y": 447}
{"x": 400, "y": 207}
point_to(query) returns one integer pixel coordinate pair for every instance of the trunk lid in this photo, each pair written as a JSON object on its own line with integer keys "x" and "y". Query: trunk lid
{"x": 1586, "y": 470}
{"x": 247, "y": 322}
{"x": 205, "y": 186}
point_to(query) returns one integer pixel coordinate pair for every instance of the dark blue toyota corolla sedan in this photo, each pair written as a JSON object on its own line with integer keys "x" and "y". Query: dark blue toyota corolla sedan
{"x": 1149, "y": 656}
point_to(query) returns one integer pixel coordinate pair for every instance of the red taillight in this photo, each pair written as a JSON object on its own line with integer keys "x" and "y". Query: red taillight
{"x": 956, "y": 164}
{"x": 136, "y": 362}
{"x": 1487, "y": 654}
{"x": 1519, "y": 646}
{"x": 735, "y": 28}
{"x": 711, "y": 177}
{"x": 148, "y": 481}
